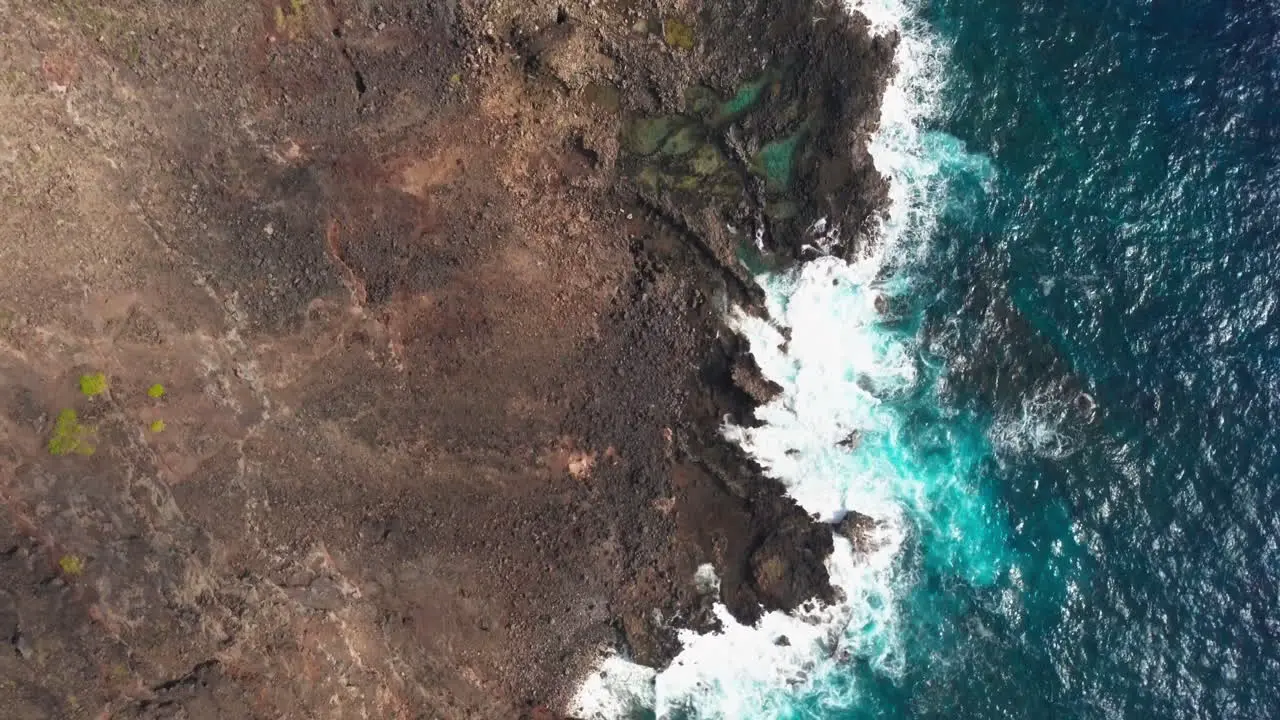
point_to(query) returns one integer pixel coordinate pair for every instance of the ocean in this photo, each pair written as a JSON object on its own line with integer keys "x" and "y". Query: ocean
{"x": 1067, "y": 428}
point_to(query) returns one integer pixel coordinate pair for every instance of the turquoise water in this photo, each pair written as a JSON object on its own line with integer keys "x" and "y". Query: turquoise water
{"x": 1129, "y": 567}
{"x": 1086, "y": 197}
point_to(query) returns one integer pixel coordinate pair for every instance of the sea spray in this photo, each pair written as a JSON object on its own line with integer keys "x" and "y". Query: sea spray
{"x": 856, "y": 428}
{"x": 1133, "y": 227}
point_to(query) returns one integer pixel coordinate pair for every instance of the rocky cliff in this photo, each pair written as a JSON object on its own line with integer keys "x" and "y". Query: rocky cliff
{"x": 367, "y": 360}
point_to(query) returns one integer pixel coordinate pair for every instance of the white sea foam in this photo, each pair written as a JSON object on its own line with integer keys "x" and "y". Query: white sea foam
{"x": 617, "y": 689}
{"x": 824, "y": 438}
{"x": 1040, "y": 427}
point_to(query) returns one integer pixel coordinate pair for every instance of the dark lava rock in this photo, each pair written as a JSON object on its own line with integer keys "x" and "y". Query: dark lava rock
{"x": 857, "y": 528}
{"x": 747, "y": 375}
{"x": 788, "y": 567}
{"x": 651, "y": 641}
{"x": 321, "y": 594}
{"x": 401, "y": 280}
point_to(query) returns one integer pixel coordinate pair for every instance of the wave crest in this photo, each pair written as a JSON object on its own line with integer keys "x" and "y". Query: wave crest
{"x": 845, "y": 374}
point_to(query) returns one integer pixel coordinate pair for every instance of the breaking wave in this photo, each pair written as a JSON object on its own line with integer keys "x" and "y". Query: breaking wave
{"x": 857, "y": 428}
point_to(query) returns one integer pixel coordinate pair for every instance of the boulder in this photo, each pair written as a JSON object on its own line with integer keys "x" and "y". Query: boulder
{"x": 857, "y": 528}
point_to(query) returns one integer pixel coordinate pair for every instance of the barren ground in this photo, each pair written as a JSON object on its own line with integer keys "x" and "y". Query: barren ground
{"x": 441, "y": 379}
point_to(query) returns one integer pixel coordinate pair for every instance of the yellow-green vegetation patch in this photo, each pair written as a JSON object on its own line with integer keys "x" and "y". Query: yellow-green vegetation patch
{"x": 700, "y": 99}
{"x": 155, "y": 391}
{"x": 69, "y": 436}
{"x": 290, "y": 21}
{"x": 678, "y": 34}
{"x": 647, "y": 134}
{"x": 93, "y": 384}
{"x": 71, "y": 564}
{"x": 683, "y": 141}
{"x": 706, "y": 160}
{"x": 688, "y": 182}
{"x": 157, "y": 426}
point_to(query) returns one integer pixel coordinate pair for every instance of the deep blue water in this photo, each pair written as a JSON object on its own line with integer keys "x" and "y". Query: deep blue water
{"x": 1086, "y": 200}
{"x": 1134, "y": 222}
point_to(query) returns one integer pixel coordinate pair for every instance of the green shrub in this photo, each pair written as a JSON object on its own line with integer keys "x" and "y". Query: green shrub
{"x": 71, "y": 564}
{"x": 69, "y": 436}
{"x": 93, "y": 384}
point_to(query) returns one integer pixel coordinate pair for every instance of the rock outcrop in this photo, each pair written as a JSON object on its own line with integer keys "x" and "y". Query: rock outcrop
{"x": 434, "y": 295}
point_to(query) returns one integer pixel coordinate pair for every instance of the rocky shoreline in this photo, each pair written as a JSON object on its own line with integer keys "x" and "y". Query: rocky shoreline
{"x": 436, "y": 298}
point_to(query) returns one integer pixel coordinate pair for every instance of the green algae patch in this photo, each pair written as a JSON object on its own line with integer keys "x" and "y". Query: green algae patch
{"x": 683, "y": 141}
{"x": 155, "y": 392}
{"x": 157, "y": 426}
{"x": 678, "y": 34}
{"x": 701, "y": 100}
{"x": 723, "y": 139}
{"x": 93, "y": 384}
{"x": 69, "y": 436}
{"x": 686, "y": 183}
{"x": 646, "y": 134}
{"x": 707, "y": 160}
{"x": 71, "y": 565}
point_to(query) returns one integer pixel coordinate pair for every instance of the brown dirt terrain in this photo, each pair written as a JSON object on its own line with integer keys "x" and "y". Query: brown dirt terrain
{"x": 442, "y": 378}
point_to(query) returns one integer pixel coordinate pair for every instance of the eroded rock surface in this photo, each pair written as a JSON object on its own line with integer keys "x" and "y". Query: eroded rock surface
{"x": 441, "y": 349}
